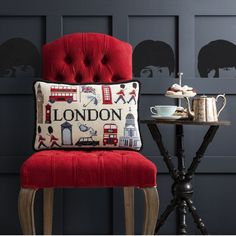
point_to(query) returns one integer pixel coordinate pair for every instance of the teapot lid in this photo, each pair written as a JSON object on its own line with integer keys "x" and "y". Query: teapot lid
{"x": 203, "y": 97}
{"x": 200, "y": 97}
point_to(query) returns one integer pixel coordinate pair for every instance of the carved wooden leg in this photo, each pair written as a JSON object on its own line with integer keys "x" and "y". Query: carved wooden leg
{"x": 151, "y": 210}
{"x": 48, "y": 194}
{"x": 26, "y": 210}
{"x": 129, "y": 210}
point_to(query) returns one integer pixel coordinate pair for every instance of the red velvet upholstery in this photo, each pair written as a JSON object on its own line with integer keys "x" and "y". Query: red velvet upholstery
{"x": 87, "y": 169}
{"x": 87, "y": 57}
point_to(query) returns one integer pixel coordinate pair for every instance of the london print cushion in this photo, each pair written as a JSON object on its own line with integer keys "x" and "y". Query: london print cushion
{"x": 87, "y": 115}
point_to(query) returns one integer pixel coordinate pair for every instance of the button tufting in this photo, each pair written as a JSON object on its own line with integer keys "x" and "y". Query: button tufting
{"x": 59, "y": 77}
{"x": 68, "y": 60}
{"x": 116, "y": 78}
{"x": 87, "y": 61}
{"x": 96, "y": 78}
{"x": 78, "y": 78}
{"x": 104, "y": 60}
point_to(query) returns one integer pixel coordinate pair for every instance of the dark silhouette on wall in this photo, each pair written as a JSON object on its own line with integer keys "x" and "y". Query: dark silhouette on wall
{"x": 19, "y": 58}
{"x": 217, "y": 55}
{"x": 153, "y": 55}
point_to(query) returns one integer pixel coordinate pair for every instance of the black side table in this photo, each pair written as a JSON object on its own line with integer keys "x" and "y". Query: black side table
{"x": 182, "y": 189}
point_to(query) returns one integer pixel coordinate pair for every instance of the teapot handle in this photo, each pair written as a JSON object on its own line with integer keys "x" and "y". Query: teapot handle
{"x": 224, "y": 103}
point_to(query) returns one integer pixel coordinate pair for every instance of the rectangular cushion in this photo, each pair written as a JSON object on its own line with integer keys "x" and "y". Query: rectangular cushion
{"x": 87, "y": 115}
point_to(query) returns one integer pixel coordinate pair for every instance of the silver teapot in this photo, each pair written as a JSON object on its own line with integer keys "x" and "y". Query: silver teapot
{"x": 204, "y": 108}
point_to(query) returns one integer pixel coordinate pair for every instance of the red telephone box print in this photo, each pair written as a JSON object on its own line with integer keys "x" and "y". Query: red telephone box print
{"x": 106, "y": 94}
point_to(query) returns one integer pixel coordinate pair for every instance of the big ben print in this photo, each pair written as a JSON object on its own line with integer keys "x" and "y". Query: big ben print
{"x": 40, "y": 100}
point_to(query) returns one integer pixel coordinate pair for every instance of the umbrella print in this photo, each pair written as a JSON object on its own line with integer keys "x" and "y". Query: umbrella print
{"x": 85, "y": 128}
{"x": 91, "y": 99}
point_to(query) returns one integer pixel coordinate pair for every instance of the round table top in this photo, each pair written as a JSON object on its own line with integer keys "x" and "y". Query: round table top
{"x": 184, "y": 122}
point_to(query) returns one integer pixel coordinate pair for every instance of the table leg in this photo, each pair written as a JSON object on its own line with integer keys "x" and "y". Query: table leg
{"x": 199, "y": 154}
{"x": 182, "y": 188}
{"x": 165, "y": 214}
{"x": 156, "y": 135}
{"x": 182, "y": 212}
{"x": 192, "y": 209}
{"x": 182, "y": 206}
{"x": 180, "y": 151}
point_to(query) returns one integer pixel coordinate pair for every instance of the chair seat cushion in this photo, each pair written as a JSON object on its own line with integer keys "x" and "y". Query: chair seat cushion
{"x": 100, "y": 168}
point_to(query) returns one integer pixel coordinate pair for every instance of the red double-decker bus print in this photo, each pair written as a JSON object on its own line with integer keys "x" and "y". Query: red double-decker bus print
{"x": 110, "y": 134}
{"x": 63, "y": 94}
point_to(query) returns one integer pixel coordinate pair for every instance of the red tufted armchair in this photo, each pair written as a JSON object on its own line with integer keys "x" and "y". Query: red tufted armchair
{"x": 87, "y": 57}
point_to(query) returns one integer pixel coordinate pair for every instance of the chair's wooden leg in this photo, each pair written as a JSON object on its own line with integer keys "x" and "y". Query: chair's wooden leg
{"x": 48, "y": 194}
{"x": 26, "y": 210}
{"x": 129, "y": 210}
{"x": 151, "y": 210}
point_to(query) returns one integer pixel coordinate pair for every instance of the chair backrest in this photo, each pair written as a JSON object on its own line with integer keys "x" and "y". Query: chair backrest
{"x": 87, "y": 58}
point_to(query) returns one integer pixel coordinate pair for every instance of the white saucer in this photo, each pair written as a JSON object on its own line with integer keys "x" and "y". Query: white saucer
{"x": 167, "y": 117}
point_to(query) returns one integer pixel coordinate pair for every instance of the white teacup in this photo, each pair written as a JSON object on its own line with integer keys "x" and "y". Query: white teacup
{"x": 163, "y": 110}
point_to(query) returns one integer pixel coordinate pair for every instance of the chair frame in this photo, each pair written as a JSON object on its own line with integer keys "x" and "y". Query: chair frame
{"x": 26, "y": 210}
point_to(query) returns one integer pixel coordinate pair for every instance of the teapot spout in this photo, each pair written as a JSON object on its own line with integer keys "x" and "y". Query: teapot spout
{"x": 190, "y": 112}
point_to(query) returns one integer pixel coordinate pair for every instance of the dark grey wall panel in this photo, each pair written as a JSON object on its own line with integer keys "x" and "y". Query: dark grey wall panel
{"x": 215, "y": 210}
{"x": 185, "y": 25}
{"x": 209, "y": 29}
{"x": 160, "y": 30}
{"x": 20, "y": 50}
{"x": 84, "y": 205}
{"x": 100, "y": 24}
{"x": 28, "y": 27}
{"x": 9, "y": 185}
{"x": 17, "y": 133}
